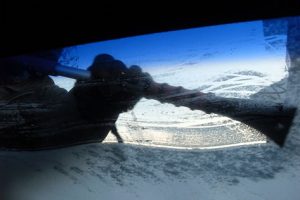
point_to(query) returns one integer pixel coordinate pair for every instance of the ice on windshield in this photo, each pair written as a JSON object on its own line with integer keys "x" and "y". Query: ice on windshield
{"x": 241, "y": 60}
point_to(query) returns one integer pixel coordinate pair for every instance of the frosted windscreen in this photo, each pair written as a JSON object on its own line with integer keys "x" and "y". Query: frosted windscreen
{"x": 241, "y": 60}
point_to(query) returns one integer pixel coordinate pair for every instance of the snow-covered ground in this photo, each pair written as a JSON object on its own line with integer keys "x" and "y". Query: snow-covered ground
{"x": 196, "y": 164}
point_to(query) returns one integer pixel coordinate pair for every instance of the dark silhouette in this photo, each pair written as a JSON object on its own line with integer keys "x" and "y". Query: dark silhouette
{"x": 37, "y": 114}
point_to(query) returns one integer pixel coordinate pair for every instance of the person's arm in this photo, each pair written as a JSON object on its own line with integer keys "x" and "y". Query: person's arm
{"x": 112, "y": 89}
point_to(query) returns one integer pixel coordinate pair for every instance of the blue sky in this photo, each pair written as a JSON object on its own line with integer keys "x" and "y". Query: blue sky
{"x": 244, "y": 39}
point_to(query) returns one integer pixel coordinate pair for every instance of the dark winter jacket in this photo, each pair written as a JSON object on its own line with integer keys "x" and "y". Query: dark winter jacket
{"x": 36, "y": 114}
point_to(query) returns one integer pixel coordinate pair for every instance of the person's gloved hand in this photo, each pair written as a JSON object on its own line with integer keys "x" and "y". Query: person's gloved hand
{"x": 118, "y": 78}
{"x": 112, "y": 85}
{"x": 120, "y": 83}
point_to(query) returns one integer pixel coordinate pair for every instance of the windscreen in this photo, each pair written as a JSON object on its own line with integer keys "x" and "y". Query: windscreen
{"x": 241, "y": 60}
{"x": 174, "y": 147}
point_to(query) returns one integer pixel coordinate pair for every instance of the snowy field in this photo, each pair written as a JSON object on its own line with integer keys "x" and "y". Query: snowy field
{"x": 172, "y": 152}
